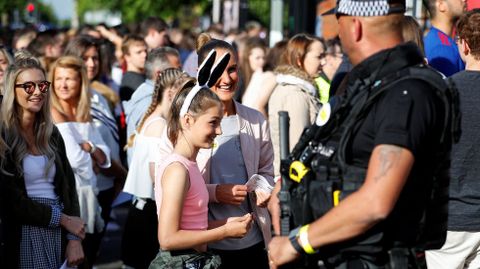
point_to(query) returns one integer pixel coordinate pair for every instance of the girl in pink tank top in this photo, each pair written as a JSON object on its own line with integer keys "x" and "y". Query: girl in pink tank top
{"x": 180, "y": 191}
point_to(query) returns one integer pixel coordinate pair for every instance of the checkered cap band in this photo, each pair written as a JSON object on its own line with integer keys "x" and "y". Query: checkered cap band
{"x": 363, "y": 8}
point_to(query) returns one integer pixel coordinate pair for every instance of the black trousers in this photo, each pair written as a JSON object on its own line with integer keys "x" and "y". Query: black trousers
{"x": 140, "y": 240}
{"x": 253, "y": 257}
{"x": 359, "y": 264}
{"x": 398, "y": 258}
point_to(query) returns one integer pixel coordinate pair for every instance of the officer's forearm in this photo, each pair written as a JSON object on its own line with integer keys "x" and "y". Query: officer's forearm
{"x": 388, "y": 171}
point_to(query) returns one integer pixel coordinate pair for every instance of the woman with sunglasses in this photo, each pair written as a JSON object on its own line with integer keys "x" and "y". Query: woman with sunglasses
{"x": 39, "y": 202}
{"x": 86, "y": 150}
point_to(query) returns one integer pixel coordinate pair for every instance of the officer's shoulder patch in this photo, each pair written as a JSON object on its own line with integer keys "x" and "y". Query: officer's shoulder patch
{"x": 323, "y": 115}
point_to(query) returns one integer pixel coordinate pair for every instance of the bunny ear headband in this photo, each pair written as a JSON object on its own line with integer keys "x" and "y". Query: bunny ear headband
{"x": 207, "y": 75}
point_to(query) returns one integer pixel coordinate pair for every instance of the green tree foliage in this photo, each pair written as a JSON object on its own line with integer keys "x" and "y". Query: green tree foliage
{"x": 259, "y": 10}
{"x": 9, "y": 5}
{"x": 46, "y": 13}
{"x": 136, "y": 10}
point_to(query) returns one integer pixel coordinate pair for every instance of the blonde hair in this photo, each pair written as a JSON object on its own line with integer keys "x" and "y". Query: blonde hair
{"x": 168, "y": 78}
{"x": 13, "y": 139}
{"x": 83, "y": 105}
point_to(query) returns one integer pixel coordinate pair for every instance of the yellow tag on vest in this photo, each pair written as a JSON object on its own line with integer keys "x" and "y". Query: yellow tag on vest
{"x": 323, "y": 115}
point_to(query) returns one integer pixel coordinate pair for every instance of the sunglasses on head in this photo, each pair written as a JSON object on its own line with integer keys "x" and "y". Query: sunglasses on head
{"x": 30, "y": 86}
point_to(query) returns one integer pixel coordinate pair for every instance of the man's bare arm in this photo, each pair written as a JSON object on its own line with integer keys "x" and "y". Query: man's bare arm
{"x": 388, "y": 170}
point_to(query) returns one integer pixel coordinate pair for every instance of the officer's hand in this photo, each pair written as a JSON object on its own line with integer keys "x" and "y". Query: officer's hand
{"x": 262, "y": 198}
{"x": 231, "y": 194}
{"x": 281, "y": 251}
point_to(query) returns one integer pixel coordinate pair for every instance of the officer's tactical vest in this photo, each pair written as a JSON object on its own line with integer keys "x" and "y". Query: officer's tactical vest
{"x": 318, "y": 177}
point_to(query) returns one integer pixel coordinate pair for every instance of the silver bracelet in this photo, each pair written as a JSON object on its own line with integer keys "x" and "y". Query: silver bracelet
{"x": 93, "y": 148}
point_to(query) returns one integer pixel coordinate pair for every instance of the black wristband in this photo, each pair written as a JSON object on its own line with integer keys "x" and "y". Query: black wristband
{"x": 293, "y": 237}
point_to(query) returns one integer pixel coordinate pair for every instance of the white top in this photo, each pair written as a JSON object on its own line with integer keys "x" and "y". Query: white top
{"x": 37, "y": 183}
{"x": 139, "y": 182}
{"x": 261, "y": 84}
{"x": 75, "y": 133}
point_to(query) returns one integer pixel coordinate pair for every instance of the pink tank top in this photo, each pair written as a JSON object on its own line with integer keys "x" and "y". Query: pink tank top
{"x": 195, "y": 207}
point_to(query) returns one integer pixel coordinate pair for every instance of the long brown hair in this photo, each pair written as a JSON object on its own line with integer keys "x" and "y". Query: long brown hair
{"x": 79, "y": 45}
{"x": 202, "y": 101}
{"x": 245, "y": 68}
{"x": 297, "y": 48}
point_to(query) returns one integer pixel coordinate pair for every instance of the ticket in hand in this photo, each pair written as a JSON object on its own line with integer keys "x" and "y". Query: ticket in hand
{"x": 258, "y": 183}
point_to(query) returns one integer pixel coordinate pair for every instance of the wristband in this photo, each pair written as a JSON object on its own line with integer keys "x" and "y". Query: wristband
{"x": 303, "y": 236}
{"x": 71, "y": 236}
{"x": 93, "y": 148}
{"x": 293, "y": 237}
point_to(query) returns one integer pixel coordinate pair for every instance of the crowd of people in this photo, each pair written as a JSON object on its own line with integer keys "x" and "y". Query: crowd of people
{"x": 188, "y": 126}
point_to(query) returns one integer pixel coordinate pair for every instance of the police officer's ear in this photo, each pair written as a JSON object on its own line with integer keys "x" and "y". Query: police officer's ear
{"x": 357, "y": 29}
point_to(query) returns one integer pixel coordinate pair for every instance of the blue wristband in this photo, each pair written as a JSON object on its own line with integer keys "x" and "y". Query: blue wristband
{"x": 71, "y": 236}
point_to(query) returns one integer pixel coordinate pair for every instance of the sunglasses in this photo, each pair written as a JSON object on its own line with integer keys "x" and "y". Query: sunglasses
{"x": 30, "y": 86}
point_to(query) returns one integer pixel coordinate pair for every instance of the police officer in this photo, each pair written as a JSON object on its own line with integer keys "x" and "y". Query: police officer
{"x": 395, "y": 142}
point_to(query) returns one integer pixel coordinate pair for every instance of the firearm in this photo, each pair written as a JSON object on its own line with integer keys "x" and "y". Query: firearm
{"x": 284, "y": 194}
